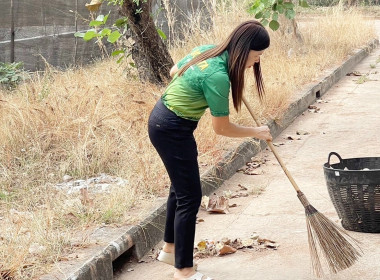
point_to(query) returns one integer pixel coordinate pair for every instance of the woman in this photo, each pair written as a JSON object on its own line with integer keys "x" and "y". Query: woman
{"x": 201, "y": 80}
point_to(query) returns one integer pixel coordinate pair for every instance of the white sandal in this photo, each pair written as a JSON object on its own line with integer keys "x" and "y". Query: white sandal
{"x": 169, "y": 259}
{"x": 166, "y": 257}
{"x": 198, "y": 276}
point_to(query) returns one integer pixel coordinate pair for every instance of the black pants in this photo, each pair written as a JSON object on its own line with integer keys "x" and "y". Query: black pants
{"x": 174, "y": 141}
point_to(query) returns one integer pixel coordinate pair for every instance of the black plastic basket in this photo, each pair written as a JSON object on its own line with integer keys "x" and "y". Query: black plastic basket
{"x": 354, "y": 188}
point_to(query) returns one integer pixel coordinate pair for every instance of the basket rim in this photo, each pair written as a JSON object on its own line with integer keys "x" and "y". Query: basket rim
{"x": 328, "y": 166}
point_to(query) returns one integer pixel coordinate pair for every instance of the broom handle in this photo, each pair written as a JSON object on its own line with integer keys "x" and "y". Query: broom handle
{"x": 271, "y": 146}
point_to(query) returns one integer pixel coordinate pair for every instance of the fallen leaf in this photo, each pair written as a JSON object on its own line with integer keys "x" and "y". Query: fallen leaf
{"x": 227, "y": 194}
{"x": 202, "y": 245}
{"x": 253, "y": 164}
{"x": 240, "y": 195}
{"x": 354, "y": 73}
{"x": 249, "y": 242}
{"x": 322, "y": 101}
{"x": 253, "y": 172}
{"x": 218, "y": 204}
{"x": 266, "y": 243}
{"x": 226, "y": 249}
{"x": 205, "y": 201}
{"x": 200, "y": 220}
{"x": 242, "y": 187}
{"x": 226, "y": 240}
{"x": 139, "y": 102}
{"x": 302, "y": 132}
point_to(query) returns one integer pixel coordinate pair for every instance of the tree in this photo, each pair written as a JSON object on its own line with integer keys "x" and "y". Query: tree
{"x": 149, "y": 52}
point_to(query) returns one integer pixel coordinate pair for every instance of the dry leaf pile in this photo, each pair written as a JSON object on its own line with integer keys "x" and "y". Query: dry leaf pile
{"x": 215, "y": 204}
{"x": 252, "y": 166}
{"x": 207, "y": 248}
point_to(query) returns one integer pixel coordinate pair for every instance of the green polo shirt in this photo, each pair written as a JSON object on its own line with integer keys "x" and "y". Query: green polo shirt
{"x": 203, "y": 85}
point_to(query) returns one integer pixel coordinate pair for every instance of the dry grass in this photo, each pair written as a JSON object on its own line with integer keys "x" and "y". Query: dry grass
{"x": 93, "y": 120}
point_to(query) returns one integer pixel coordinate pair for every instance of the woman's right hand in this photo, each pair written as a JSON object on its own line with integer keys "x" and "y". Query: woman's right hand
{"x": 223, "y": 126}
{"x": 263, "y": 133}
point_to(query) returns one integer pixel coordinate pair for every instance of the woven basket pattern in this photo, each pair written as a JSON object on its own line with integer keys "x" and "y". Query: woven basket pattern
{"x": 354, "y": 188}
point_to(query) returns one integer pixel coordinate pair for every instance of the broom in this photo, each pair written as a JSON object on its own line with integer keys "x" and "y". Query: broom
{"x": 339, "y": 250}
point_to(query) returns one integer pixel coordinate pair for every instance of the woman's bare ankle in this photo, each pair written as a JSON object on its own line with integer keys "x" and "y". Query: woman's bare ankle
{"x": 168, "y": 247}
{"x": 183, "y": 273}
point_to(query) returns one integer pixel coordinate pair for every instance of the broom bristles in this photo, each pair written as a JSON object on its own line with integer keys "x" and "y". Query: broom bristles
{"x": 339, "y": 249}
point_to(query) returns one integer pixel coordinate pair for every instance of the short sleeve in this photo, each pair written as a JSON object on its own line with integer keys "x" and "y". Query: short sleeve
{"x": 216, "y": 89}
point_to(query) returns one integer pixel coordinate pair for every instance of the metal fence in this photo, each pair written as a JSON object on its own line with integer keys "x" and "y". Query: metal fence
{"x": 40, "y": 31}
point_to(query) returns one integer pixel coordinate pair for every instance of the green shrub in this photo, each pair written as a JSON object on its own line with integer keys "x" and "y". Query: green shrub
{"x": 11, "y": 74}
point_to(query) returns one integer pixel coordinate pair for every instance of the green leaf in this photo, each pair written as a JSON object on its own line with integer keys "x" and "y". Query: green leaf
{"x": 120, "y": 59}
{"x": 258, "y": 15}
{"x": 132, "y": 64}
{"x": 275, "y": 16}
{"x": 90, "y": 35}
{"x": 100, "y": 18}
{"x": 95, "y": 23}
{"x": 274, "y": 25}
{"x": 290, "y": 14}
{"x": 79, "y": 34}
{"x": 304, "y": 4}
{"x": 117, "y": 52}
{"x": 256, "y": 8}
{"x": 162, "y": 34}
{"x": 121, "y": 21}
{"x": 255, "y": 5}
{"x": 288, "y": 5}
{"x": 264, "y": 22}
{"x": 105, "y": 32}
{"x": 267, "y": 14}
{"x": 106, "y": 18}
{"x": 280, "y": 8}
{"x": 114, "y": 36}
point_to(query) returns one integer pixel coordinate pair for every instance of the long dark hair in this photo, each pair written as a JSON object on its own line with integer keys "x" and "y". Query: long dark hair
{"x": 249, "y": 35}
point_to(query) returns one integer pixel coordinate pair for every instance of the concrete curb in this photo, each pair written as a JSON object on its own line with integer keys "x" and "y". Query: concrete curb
{"x": 143, "y": 237}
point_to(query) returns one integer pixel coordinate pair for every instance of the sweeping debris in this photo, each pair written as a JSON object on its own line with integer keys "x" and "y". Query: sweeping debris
{"x": 207, "y": 248}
